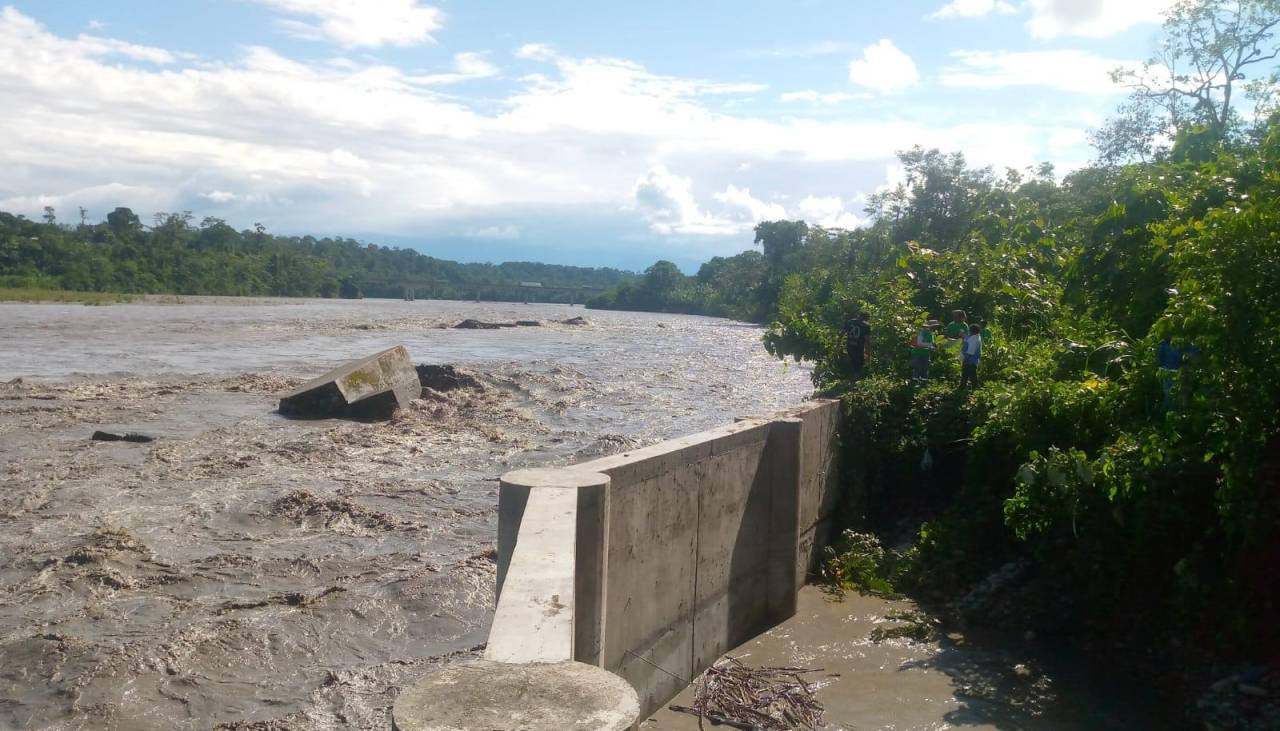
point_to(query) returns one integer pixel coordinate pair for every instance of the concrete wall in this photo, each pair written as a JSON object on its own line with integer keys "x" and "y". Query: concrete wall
{"x": 688, "y": 548}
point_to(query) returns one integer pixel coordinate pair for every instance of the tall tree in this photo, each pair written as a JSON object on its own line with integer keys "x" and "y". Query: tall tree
{"x": 1210, "y": 48}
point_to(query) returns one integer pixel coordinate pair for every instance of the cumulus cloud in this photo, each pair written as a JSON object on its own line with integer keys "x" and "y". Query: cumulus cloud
{"x": 667, "y": 201}
{"x": 1066, "y": 70}
{"x": 884, "y": 67}
{"x": 972, "y": 9}
{"x": 360, "y": 23}
{"x": 827, "y": 211}
{"x": 360, "y": 146}
{"x": 1091, "y": 18}
{"x": 466, "y": 67}
{"x": 745, "y": 209}
{"x": 536, "y": 52}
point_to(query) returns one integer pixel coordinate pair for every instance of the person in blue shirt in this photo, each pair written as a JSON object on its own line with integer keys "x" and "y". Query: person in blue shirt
{"x": 1170, "y": 360}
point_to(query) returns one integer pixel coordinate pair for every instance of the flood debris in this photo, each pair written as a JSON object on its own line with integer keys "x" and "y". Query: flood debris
{"x": 368, "y": 389}
{"x": 528, "y": 323}
{"x": 443, "y": 378}
{"x": 470, "y": 324}
{"x": 108, "y": 436}
{"x": 579, "y": 320}
{"x": 291, "y": 599}
{"x": 768, "y": 699}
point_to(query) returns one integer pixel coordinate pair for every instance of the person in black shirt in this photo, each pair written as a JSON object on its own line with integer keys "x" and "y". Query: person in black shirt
{"x": 858, "y": 341}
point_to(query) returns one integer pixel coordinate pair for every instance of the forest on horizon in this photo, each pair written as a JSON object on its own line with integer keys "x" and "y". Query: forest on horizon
{"x": 176, "y": 255}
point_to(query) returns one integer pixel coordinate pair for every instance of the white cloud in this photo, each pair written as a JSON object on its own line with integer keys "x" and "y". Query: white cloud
{"x": 743, "y": 208}
{"x": 536, "y": 52}
{"x": 1091, "y": 18}
{"x": 884, "y": 67}
{"x": 811, "y": 96}
{"x": 667, "y": 202}
{"x": 506, "y": 232}
{"x": 356, "y": 145}
{"x": 827, "y": 211}
{"x": 467, "y": 67}
{"x": 1066, "y": 70}
{"x": 94, "y": 46}
{"x": 972, "y": 9}
{"x": 669, "y": 205}
{"x": 360, "y": 23}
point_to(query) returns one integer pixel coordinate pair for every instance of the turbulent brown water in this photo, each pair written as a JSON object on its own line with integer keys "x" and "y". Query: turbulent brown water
{"x": 245, "y": 571}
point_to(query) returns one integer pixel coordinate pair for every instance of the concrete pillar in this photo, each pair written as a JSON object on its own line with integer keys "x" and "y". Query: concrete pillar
{"x": 782, "y": 454}
{"x": 485, "y": 695}
{"x": 552, "y": 528}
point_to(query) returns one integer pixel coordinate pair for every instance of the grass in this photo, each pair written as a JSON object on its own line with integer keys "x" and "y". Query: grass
{"x": 31, "y": 294}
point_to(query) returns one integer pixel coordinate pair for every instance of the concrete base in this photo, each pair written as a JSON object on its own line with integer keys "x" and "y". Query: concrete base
{"x": 484, "y": 695}
{"x": 370, "y": 388}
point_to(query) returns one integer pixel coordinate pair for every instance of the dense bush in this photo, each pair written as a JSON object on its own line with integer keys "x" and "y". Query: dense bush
{"x": 1142, "y": 515}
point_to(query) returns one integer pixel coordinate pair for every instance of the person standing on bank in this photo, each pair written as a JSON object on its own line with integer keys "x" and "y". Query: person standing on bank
{"x": 857, "y": 334}
{"x": 957, "y": 329}
{"x": 922, "y": 347}
{"x": 970, "y": 353}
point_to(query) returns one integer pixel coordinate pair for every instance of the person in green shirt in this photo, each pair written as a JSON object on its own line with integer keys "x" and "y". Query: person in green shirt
{"x": 984, "y": 331}
{"x": 955, "y": 332}
{"x": 922, "y": 347}
{"x": 957, "y": 329}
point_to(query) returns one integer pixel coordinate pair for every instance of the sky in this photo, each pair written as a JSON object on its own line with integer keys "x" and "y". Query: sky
{"x": 571, "y": 131}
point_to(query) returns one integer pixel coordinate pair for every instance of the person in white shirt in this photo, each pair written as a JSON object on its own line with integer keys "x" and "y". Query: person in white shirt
{"x": 970, "y": 354}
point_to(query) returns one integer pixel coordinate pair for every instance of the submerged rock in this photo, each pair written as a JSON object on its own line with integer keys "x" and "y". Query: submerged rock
{"x": 370, "y": 388}
{"x": 107, "y": 436}
{"x": 579, "y": 320}
{"x": 470, "y": 324}
{"x": 528, "y": 323}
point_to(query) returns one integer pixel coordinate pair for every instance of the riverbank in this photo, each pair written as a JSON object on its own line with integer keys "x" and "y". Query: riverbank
{"x": 36, "y": 296}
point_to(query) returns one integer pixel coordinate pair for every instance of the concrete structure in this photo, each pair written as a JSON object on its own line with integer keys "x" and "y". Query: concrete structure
{"x": 369, "y": 388}
{"x": 486, "y": 695}
{"x": 652, "y": 563}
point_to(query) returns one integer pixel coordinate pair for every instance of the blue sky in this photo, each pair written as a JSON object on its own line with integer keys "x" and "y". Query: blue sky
{"x": 605, "y": 134}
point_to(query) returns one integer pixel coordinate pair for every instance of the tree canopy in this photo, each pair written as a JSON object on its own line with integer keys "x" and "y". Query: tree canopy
{"x": 179, "y": 256}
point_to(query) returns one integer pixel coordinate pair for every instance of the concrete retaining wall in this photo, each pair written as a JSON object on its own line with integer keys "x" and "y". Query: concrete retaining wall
{"x": 683, "y": 551}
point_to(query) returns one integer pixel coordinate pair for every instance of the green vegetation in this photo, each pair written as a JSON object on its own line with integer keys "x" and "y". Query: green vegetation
{"x": 1117, "y": 513}
{"x": 176, "y": 256}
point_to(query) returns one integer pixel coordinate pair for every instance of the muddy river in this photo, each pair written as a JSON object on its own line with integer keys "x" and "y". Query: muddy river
{"x": 245, "y": 571}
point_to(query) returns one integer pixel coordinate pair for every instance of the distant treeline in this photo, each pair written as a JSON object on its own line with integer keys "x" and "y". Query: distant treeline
{"x": 177, "y": 256}
{"x": 743, "y": 287}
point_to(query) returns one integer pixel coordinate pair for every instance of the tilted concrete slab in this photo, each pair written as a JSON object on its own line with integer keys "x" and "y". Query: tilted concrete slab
{"x": 369, "y": 388}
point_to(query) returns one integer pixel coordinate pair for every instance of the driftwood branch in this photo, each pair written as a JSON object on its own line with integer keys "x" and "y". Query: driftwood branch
{"x": 755, "y": 699}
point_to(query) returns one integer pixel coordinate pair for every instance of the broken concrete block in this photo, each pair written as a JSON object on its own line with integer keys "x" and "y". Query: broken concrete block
{"x": 370, "y": 388}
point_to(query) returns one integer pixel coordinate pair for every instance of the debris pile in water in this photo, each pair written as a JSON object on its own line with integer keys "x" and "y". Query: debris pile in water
{"x": 769, "y": 699}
